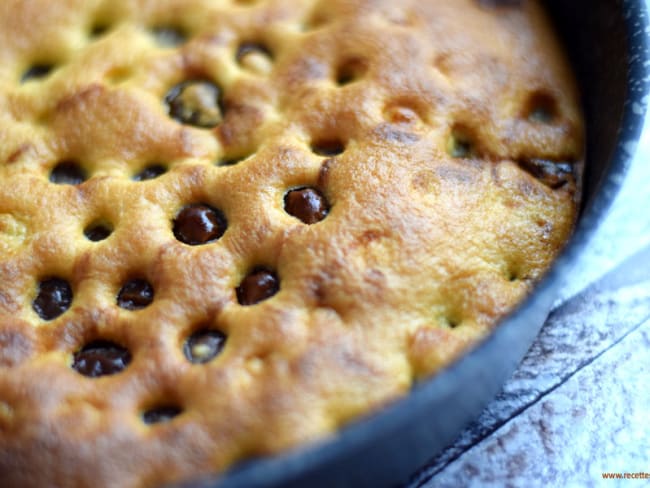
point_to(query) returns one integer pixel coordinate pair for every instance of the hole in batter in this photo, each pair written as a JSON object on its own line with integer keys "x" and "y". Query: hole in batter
{"x": 230, "y": 161}
{"x": 351, "y": 70}
{"x": 317, "y": 20}
{"x": 150, "y": 172}
{"x": 99, "y": 29}
{"x": 169, "y": 36}
{"x": 255, "y": 57}
{"x": 451, "y": 322}
{"x": 195, "y": 102}
{"x": 542, "y": 108}
{"x": 461, "y": 144}
{"x": 37, "y": 71}
{"x": 204, "y": 345}
{"x": 328, "y": 147}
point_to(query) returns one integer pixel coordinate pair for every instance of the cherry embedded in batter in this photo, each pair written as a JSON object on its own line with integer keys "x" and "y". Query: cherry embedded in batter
{"x": 54, "y": 297}
{"x": 150, "y": 172}
{"x": 160, "y": 414}
{"x": 260, "y": 284}
{"x": 203, "y": 345}
{"x": 101, "y": 358}
{"x": 328, "y": 147}
{"x": 199, "y": 224}
{"x": 68, "y": 173}
{"x": 306, "y": 204}
{"x": 135, "y": 295}
{"x": 97, "y": 232}
{"x": 553, "y": 174}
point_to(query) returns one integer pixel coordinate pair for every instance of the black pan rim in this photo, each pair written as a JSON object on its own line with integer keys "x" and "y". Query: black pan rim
{"x": 291, "y": 466}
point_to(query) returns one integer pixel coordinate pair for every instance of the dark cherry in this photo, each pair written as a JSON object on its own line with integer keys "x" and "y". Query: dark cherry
{"x": 97, "y": 232}
{"x": 259, "y": 285}
{"x": 199, "y": 224}
{"x": 203, "y": 345}
{"x": 54, "y": 297}
{"x": 135, "y": 294}
{"x": 195, "y": 103}
{"x": 306, "y": 204}
{"x": 101, "y": 358}
{"x": 150, "y": 172}
{"x": 160, "y": 414}
{"x": 328, "y": 147}
{"x": 68, "y": 173}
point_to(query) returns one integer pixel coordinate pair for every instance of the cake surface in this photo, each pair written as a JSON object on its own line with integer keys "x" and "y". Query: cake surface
{"x": 228, "y": 228}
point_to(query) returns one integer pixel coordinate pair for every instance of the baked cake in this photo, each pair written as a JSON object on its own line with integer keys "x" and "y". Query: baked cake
{"x": 228, "y": 228}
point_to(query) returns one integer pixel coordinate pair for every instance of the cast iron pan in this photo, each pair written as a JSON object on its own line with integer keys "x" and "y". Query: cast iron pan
{"x": 608, "y": 46}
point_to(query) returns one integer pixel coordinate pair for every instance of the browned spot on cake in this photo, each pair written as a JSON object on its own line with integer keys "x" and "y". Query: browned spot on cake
{"x": 372, "y": 235}
{"x": 390, "y": 133}
{"x": 239, "y": 124}
{"x": 318, "y": 287}
{"x": 425, "y": 180}
{"x": 324, "y": 172}
{"x": 456, "y": 174}
{"x": 18, "y": 153}
{"x": 79, "y": 98}
{"x": 401, "y": 113}
{"x": 78, "y": 331}
{"x": 375, "y": 278}
{"x": 305, "y": 69}
{"x": 16, "y": 343}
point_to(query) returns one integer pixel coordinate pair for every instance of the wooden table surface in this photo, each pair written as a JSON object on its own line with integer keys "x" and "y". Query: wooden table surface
{"x": 578, "y": 407}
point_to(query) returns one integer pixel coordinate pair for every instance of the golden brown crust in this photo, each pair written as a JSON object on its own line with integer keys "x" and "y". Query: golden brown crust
{"x": 457, "y": 120}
